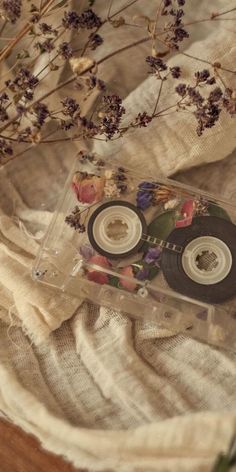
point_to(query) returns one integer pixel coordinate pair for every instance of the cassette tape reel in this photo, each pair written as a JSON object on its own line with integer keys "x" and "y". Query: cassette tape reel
{"x": 116, "y": 229}
{"x": 206, "y": 269}
{"x": 197, "y": 261}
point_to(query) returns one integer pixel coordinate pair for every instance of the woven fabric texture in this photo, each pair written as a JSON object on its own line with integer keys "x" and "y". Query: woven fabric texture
{"x": 107, "y": 392}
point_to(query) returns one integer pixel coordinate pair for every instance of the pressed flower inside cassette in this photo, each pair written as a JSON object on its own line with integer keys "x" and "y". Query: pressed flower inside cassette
{"x": 165, "y": 243}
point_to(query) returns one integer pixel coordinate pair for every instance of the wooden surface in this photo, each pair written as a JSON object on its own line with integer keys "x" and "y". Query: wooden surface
{"x": 20, "y": 452}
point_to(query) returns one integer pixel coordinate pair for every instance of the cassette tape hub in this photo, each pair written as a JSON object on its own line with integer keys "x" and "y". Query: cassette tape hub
{"x": 148, "y": 246}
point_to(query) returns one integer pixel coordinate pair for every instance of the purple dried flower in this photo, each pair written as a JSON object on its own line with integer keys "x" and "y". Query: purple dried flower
{"x": 181, "y": 89}
{"x": 45, "y": 46}
{"x": 144, "y": 200}
{"x": 28, "y": 95}
{"x": 89, "y": 128}
{"x": 5, "y": 148}
{"x": 153, "y": 255}
{"x": 24, "y": 81}
{"x": 156, "y": 64}
{"x": 175, "y": 31}
{"x": 180, "y": 35}
{"x": 167, "y": 3}
{"x": 42, "y": 112}
{"x": 4, "y": 97}
{"x": 215, "y": 95}
{"x": 142, "y": 120}
{"x": 145, "y": 195}
{"x": 71, "y": 20}
{"x": 196, "y": 97}
{"x": 207, "y": 116}
{"x": 67, "y": 124}
{"x": 24, "y": 134}
{"x": 86, "y": 251}
{"x": 47, "y": 29}
{"x": 70, "y": 106}
{"x": 211, "y": 81}
{"x": 175, "y": 72}
{"x": 178, "y": 16}
{"x": 3, "y": 114}
{"x": 142, "y": 274}
{"x": 20, "y": 109}
{"x": 12, "y": 9}
{"x": 229, "y": 101}
{"x": 74, "y": 220}
{"x": 181, "y": 3}
{"x": 65, "y": 50}
{"x": 202, "y": 76}
{"x": 89, "y": 20}
{"x": 95, "y": 40}
{"x": 92, "y": 81}
{"x": 35, "y": 17}
{"x": 114, "y": 111}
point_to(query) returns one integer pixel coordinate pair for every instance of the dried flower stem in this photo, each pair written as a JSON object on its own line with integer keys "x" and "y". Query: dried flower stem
{"x": 212, "y": 17}
{"x": 206, "y": 62}
{"x": 6, "y": 51}
{"x": 158, "y": 98}
{"x": 74, "y": 77}
{"x": 128, "y": 5}
{"x": 2, "y": 28}
{"x": 155, "y": 23}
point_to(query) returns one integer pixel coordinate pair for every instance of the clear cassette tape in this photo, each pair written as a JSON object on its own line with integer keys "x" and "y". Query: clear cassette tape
{"x": 151, "y": 247}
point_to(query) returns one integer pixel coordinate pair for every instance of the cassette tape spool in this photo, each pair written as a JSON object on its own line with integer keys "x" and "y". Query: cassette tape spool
{"x": 206, "y": 269}
{"x": 116, "y": 229}
{"x": 197, "y": 261}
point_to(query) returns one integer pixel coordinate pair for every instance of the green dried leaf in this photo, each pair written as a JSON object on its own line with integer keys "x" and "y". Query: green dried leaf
{"x": 215, "y": 210}
{"x": 114, "y": 281}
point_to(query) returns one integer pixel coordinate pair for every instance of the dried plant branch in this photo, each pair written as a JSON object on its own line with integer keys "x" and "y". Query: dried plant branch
{"x": 19, "y": 104}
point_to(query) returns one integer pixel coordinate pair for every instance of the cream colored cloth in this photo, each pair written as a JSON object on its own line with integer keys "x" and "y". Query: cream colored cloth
{"x": 104, "y": 391}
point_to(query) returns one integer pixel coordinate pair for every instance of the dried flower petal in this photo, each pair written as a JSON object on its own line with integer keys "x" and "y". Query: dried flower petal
{"x": 128, "y": 284}
{"x": 81, "y": 64}
{"x": 65, "y": 50}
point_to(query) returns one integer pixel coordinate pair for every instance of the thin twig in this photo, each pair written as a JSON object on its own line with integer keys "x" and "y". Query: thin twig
{"x": 158, "y": 98}
{"x": 155, "y": 24}
{"x": 3, "y": 27}
{"x": 74, "y": 77}
{"x": 84, "y": 49}
{"x": 123, "y": 8}
{"x": 206, "y": 62}
{"x": 109, "y": 9}
{"x": 6, "y": 51}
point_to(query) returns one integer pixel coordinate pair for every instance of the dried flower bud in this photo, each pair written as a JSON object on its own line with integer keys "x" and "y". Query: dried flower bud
{"x": 12, "y": 10}
{"x": 81, "y": 64}
{"x": 217, "y": 65}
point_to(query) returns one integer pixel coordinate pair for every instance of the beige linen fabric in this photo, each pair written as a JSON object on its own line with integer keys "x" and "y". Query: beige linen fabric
{"x": 104, "y": 391}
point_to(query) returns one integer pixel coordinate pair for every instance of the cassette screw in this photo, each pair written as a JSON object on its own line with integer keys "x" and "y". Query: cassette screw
{"x": 143, "y": 292}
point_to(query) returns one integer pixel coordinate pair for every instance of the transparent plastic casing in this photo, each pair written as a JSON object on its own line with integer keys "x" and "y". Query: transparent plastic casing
{"x": 135, "y": 282}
